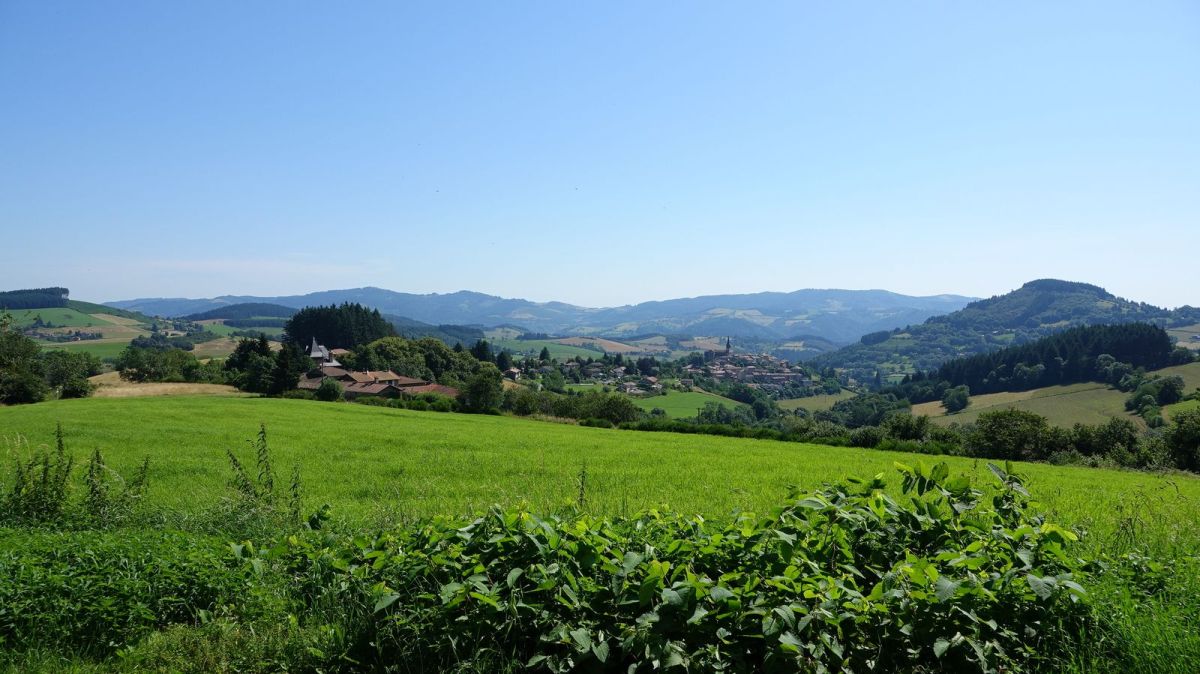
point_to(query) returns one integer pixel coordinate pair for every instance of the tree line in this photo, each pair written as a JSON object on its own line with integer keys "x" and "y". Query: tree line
{"x": 34, "y": 298}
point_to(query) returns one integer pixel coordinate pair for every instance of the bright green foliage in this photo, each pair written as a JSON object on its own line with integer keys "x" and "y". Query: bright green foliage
{"x": 91, "y": 592}
{"x": 842, "y": 579}
{"x": 330, "y": 390}
{"x": 484, "y": 391}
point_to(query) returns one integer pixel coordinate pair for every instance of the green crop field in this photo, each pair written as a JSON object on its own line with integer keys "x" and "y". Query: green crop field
{"x": 815, "y": 403}
{"x": 370, "y": 461}
{"x": 683, "y": 404}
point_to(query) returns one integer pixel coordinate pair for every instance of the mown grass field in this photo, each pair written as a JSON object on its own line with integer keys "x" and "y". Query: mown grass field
{"x": 100, "y": 348}
{"x": 1085, "y": 403}
{"x": 371, "y": 462}
{"x": 683, "y": 404}
{"x": 534, "y": 346}
{"x": 815, "y": 403}
{"x": 58, "y": 316}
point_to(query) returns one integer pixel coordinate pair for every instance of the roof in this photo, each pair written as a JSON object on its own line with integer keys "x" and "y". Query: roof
{"x": 367, "y": 389}
{"x": 407, "y": 381}
{"x": 339, "y": 352}
{"x": 448, "y": 391}
{"x": 330, "y": 371}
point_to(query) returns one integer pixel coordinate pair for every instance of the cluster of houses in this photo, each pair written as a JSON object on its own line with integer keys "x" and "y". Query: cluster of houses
{"x": 379, "y": 383}
{"x": 762, "y": 370}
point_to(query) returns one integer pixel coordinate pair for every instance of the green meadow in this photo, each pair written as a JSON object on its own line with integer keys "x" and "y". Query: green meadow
{"x": 683, "y": 404}
{"x": 366, "y": 461}
{"x": 533, "y": 347}
{"x": 382, "y": 467}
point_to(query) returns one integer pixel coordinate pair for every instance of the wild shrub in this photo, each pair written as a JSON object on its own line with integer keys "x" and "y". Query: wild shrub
{"x": 845, "y": 578}
{"x": 40, "y": 491}
{"x": 40, "y": 484}
{"x": 256, "y": 505}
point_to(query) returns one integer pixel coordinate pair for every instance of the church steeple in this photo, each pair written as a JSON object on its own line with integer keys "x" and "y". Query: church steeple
{"x": 728, "y": 346}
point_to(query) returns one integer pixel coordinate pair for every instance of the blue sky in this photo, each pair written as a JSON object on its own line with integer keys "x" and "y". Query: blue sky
{"x": 599, "y": 153}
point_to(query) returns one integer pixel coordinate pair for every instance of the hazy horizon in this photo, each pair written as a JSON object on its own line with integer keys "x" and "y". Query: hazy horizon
{"x": 600, "y": 155}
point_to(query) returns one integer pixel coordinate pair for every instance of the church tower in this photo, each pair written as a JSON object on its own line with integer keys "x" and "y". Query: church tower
{"x": 728, "y": 346}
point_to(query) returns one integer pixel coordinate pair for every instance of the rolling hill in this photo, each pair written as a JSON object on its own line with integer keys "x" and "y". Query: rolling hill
{"x": 1085, "y": 403}
{"x": 1034, "y": 310}
{"x": 838, "y": 316}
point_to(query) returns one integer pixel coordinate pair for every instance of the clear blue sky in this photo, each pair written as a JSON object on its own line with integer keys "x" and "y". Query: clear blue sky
{"x": 599, "y": 153}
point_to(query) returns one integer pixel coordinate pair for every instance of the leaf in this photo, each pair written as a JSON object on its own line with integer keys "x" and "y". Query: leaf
{"x": 672, "y": 597}
{"x": 789, "y": 643}
{"x": 583, "y": 640}
{"x": 1042, "y": 587}
{"x": 940, "y": 647}
{"x": 600, "y": 650}
{"x": 720, "y": 593}
{"x": 385, "y": 601}
{"x": 945, "y": 589}
{"x": 514, "y": 575}
{"x": 697, "y": 615}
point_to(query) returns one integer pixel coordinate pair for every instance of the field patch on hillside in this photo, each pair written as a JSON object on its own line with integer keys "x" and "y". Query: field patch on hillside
{"x": 683, "y": 404}
{"x": 110, "y": 385}
{"x": 1084, "y": 403}
{"x": 1188, "y": 336}
{"x": 533, "y": 347}
{"x": 815, "y": 403}
{"x": 605, "y": 345}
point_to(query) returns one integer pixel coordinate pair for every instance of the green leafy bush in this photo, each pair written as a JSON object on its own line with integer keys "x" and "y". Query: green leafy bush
{"x": 842, "y": 579}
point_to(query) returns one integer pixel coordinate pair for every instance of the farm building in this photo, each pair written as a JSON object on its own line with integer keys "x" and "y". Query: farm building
{"x": 381, "y": 383}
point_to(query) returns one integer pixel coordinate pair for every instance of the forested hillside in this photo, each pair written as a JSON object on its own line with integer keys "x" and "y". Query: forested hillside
{"x": 1036, "y": 309}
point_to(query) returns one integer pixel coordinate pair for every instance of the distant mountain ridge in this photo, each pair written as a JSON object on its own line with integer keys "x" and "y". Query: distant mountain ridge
{"x": 840, "y": 316}
{"x": 1036, "y": 309}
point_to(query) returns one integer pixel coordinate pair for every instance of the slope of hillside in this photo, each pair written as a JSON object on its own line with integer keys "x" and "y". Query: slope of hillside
{"x": 839, "y": 316}
{"x": 1034, "y": 310}
{"x": 1084, "y": 403}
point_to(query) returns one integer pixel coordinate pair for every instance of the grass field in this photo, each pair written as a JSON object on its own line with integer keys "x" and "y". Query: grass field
{"x": 59, "y": 316}
{"x": 101, "y": 348}
{"x": 1185, "y": 336}
{"x": 604, "y": 345}
{"x": 1085, "y": 403}
{"x": 370, "y": 461}
{"x": 1185, "y": 406}
{"x": 815, "y": 403}
{"x": 217, "y": 326}
{"x": 683, "y": 404}
{"x": 533, "y": 347}
{"x": 380, "y": 466}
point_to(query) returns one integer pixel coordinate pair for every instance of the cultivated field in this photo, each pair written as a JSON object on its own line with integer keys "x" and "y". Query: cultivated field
{"x": 605, "y": 345}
